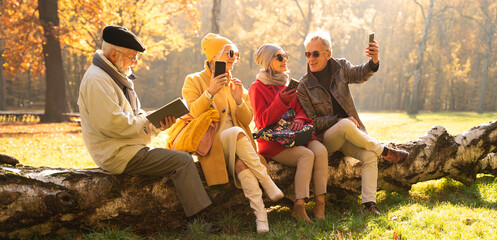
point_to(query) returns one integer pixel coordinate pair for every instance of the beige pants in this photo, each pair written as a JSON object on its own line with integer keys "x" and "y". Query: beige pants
{"x": 306, "y": 159}
{"x": 344, "y": 136}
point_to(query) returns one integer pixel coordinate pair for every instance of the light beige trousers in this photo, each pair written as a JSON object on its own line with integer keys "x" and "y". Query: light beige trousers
{"x": 344, "y": 136}
{"x": 306, "y": 159}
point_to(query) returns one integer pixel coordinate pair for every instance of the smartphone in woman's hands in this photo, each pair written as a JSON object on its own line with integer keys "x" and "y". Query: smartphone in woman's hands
{"x": 219, "y": 68}
{"x": 293, "y": 84}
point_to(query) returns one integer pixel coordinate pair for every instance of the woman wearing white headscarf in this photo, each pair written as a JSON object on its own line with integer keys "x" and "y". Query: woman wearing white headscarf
{"x": 270, "y": 100}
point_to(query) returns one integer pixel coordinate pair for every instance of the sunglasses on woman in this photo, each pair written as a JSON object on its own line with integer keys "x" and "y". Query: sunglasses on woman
{"x": 231, "y": 53}
{"x": 315, "y": 54}
{"x": 281, "y": 56}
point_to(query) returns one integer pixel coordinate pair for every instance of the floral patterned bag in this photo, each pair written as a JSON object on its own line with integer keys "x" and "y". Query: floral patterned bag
{"x": 280, "y": 132}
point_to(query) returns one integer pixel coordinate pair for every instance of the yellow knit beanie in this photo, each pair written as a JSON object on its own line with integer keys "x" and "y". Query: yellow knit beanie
{"x": 212, "y": 44}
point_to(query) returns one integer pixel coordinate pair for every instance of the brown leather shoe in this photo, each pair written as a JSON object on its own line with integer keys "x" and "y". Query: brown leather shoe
{"x": 5, "y": 159}
{"x": 396, "y": 155}
{"x": 370, "y": 208}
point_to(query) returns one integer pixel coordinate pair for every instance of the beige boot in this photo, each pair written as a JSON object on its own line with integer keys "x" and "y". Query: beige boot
{"x": 253, "y": 192}
{"x": 248, "y": 155}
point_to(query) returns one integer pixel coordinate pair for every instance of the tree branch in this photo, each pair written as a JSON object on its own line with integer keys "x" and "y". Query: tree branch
{"x": 300, "y": 9}
{"x": 422, "y": 9}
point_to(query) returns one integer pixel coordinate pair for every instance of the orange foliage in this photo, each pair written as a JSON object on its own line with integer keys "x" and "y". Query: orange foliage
{"x": 21, "y": 37}
{"x": 160, "y": 24}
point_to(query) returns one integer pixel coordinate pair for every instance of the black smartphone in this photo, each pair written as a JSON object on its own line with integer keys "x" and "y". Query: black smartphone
{"x": 219, "y": 68}
{"x": 293, "y": 84}
{"x": 371, "y": 37}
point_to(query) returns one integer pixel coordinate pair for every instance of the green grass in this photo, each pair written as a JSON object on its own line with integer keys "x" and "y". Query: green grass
{"x": 400, "y": 127}
{"x": 437, "y": 209}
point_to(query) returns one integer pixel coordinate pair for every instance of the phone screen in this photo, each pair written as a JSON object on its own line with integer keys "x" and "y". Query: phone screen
{"x": 371, "y": 37}
{"x": 293, "y": 84}
{"x": 219, "y": 68}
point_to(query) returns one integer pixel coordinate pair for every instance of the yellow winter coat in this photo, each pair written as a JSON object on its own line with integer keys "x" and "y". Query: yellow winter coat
{"x": 214, "y": 164}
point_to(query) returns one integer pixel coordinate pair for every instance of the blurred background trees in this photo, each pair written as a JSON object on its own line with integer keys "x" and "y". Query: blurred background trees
{"x": 436, "y": 55}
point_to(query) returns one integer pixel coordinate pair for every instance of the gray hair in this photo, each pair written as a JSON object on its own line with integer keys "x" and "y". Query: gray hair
{"x": 107, "y": 47}
{"x": 320, "y": 34}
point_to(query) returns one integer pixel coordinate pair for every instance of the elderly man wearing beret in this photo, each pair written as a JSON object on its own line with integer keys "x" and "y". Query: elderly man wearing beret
{"x": 115, "y": 129}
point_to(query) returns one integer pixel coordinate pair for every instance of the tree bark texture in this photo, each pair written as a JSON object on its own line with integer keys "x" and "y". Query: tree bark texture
{"x": 3, "y": 104}
{"x": 56, "y": 99}
{"x": 418, "y": 74}
{"x": 49, "y": 201}
{"x": 216, "y": 15}
{"x": 484, "y": 79}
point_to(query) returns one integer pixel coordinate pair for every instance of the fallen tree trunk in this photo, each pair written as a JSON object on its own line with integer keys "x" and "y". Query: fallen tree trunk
{"x": 48, "y": 200}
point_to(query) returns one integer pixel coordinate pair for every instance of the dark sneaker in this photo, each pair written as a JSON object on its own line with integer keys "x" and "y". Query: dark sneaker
{"x": 211, "y": 228}
{"x": 199, "y": 223}
{"x": 370, "y": 208}
{"x": 396, "y": 155}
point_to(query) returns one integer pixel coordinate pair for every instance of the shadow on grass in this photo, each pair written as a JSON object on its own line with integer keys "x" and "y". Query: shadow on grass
{"x": 454, "y": 192}
{"x": 413, "y": 116}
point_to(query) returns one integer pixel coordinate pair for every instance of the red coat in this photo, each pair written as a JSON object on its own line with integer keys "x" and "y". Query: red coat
{"x": 268, "y": 108}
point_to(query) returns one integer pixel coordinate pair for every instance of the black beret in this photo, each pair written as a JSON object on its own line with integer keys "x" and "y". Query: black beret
{"x": 122, "y": 37}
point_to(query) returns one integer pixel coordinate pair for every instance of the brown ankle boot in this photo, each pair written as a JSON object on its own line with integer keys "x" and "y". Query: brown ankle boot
{"x": 396, "y": 155}
{"x": 318, "y": 210}
{"x": 299, "y": 213}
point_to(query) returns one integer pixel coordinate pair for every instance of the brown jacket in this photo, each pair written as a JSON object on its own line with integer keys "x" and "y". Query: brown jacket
{"x": 317, "y": 102}
{"x": 214, "y": 164}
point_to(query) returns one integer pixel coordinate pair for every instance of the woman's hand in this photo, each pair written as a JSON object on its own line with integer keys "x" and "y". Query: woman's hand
{"x": 288, "y": 96}
{"x": 297, "y": 124}
{"x": 217, "y": 83}
{"x": 169, "y": 121}
{"x": 236, "y": 89}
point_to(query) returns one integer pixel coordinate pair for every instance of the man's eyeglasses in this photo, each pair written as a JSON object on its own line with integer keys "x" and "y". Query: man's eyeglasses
{"x": 133, "y": 59}
{"x": 231, "y": 53}
{"x": 281, "y": 56}
{"x": 315, "y": 54}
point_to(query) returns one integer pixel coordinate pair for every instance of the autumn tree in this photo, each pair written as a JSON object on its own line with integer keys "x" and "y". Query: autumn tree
{"x": 486, "y": 19}
{"x": 56, "y": 98}
{"x": 448, "y": 77}
{"x": 3, "y": 105}
{"x": 216, "y": 12}
{"x": 414, "y": 103}
{"x": 161, "y": 25}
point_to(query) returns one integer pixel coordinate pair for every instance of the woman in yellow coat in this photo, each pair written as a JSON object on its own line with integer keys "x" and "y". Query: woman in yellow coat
{"x": 234, "y": 150}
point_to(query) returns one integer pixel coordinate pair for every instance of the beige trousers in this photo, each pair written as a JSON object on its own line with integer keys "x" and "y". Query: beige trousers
{"x": 306, "y": 159}
{"x": 344, "y": 136}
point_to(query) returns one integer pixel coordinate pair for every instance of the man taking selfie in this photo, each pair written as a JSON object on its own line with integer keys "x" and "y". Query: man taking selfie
{"x": 325, "y": 96}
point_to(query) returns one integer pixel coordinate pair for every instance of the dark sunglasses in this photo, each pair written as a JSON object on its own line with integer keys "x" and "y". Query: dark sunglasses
{"x": 315, "y": 54}
{"x": 281, "y": 56}
{"x": 231, "y": 53}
